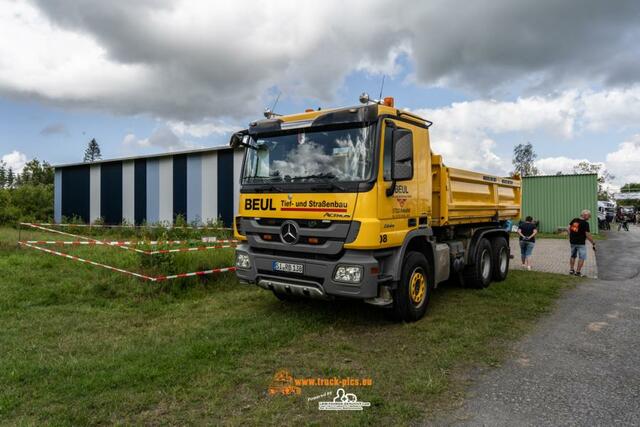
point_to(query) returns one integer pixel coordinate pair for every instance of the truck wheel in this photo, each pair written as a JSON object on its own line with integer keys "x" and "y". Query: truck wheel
{"x": 412, "y": 295}
{"x": 478, "y": 275}
{"x": 500, "y": 259}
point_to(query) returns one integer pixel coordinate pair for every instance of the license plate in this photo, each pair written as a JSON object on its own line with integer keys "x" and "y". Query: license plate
{"x": 288, "y": 267}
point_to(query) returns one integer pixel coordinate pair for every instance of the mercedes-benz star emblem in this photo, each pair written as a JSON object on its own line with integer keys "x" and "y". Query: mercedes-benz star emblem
{"x": 289, "y": 232}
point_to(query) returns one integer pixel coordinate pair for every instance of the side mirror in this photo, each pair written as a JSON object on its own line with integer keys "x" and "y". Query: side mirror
{"x": 402, "y": 165}
{"x": 239, "y": 139}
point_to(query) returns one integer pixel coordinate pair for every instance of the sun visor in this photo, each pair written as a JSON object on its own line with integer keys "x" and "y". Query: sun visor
{"x": 364, "y": 114}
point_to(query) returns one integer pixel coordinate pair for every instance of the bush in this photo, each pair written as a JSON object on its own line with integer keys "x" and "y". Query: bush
{"x": 26, "y": 203}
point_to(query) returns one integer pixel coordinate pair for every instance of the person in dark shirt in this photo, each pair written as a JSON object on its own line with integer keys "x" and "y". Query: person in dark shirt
{"x": 579, "y": 233}
{"x": 527, "y": 232}
{"x": 621, "y": 219}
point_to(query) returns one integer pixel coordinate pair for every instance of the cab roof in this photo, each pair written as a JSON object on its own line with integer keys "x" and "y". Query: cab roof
{"x": 368, "y": 113}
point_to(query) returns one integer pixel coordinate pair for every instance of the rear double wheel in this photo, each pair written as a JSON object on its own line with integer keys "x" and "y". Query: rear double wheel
{"x": 478, "y": 275}
{"x": 501, "y": 256}
{"x": 411, "y": 297}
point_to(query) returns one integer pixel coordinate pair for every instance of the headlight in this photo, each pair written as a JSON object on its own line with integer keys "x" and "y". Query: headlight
{"x": 348, "y": 273}
{"x": 243, "y": 260}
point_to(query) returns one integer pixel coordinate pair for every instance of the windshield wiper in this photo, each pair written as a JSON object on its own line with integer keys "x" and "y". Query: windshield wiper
{"x": 327, "y": 175}
{"x": 326, "y": 179}
{"x": 329, "y": 185}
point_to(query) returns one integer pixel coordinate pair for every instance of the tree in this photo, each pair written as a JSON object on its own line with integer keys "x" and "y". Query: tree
{"x": 604, "y": 177}
{"x": 92, "y": 153}
{"x": 523, "y": 160}
{"x": 631, "y": 187}
{"x": 36, "y": 173}
{"x": 28, "y": 195}
{"x": 3, "y": 174}
{"x": 11, "y": 178}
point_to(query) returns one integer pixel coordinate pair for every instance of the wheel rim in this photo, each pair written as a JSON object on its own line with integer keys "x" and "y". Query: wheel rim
{"x": 503, "y": 260}
{"x": 417, "y": 286}
{"x": 486, "y": 264}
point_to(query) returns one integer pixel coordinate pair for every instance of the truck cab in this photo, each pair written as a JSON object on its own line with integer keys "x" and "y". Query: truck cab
{"x": 352, "y": 203}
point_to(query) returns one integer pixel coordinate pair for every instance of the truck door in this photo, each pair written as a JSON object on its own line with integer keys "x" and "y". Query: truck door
{"x": 402, "y": 210}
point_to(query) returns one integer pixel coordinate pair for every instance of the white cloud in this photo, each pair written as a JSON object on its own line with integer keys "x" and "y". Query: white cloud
{"x": 162, "y": 137}
{"x": 15, "y": 160}
{"x": 40, "y": 59}
{"x": 185, "y": 60}
{"x": 129, "y": 139}
{"x": 463, "y": 132}
{"x": 553, "y": 114}
{"x": 616, "y": 108}
{"x": 201, "y": 129}
{"x": 565, "y": 165}
{"x": 625, "y": 161}
{"x": 462, "y": 129}
{"x": 553, "y": 165}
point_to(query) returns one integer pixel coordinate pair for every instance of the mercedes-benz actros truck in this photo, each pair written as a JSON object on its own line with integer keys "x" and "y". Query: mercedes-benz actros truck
{"x": 353, "y": 203}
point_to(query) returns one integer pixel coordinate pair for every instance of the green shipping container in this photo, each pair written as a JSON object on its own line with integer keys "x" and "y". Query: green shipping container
{"x": 556, "y": 199}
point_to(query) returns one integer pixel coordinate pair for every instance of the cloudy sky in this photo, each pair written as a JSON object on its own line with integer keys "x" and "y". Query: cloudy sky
{"x": 158, "y": 75}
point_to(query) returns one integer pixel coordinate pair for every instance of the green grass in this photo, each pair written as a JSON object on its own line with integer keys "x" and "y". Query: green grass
{"x": 80, "y": 345}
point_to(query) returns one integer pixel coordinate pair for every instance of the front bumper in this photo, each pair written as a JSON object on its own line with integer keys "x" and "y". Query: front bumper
{"x": 317, "y": 279}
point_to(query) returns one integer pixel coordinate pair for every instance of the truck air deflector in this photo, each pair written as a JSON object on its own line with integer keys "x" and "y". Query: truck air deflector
{"x": 345, "y": 116}
{"x": 366, "y": 114}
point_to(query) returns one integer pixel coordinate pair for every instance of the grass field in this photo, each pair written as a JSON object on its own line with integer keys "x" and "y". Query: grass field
{"x": 80, "y": 345}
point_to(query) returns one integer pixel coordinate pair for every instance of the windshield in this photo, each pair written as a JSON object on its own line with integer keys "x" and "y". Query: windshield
{"x": 310, "y": 155}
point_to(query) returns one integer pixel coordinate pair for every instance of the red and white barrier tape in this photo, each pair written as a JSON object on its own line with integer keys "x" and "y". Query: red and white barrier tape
{"x": 49, "y": 230}
{"x": 122, "y": 243}
{"x": 125, "y": 245}
{"x": 77, "y": 236}
{"x": 199, "y": 248}
{"x": 195, "y": 273}
{"x": 130, "y": 273}
{"x": 97, "y": 264}
{"x": 198, "y": 227}
{"x": 142, "y": 251}
{"x": 79, "y": 242}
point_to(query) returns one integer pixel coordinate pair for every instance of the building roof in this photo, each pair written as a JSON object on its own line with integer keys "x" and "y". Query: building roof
{"x": 149, "y": 156}
{"x": 557, "y": 176}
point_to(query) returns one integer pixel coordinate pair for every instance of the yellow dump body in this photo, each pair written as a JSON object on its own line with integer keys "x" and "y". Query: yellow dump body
{"x": 465, "y": 197}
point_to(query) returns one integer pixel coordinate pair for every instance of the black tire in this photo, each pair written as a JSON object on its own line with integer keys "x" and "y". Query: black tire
{"x": 286, "y": 297}
{"x": 478, "y": 275}
{"x": 411, "y": 297}
{"x": 501, "y": 257}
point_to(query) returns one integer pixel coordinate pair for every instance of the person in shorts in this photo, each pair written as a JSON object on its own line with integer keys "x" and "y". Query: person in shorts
{"x": 579, "y": 233}
{"x": 622, "y": 220}
{"x": 527, "y": 232}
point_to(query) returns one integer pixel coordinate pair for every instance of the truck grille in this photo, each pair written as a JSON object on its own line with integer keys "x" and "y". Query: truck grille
{"x": 314, "y": 237}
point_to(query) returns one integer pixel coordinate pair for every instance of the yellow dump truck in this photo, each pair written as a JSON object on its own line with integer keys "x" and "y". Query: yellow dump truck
{"x": 352, "y": 203}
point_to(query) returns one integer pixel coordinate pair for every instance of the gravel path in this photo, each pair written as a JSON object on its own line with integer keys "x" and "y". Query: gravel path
{"x": 552, "y": 256}
{"x": 581, "y": 366}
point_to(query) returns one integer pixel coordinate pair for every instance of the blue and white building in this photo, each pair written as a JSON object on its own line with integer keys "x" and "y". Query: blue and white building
{"x": 200, "y": 185}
